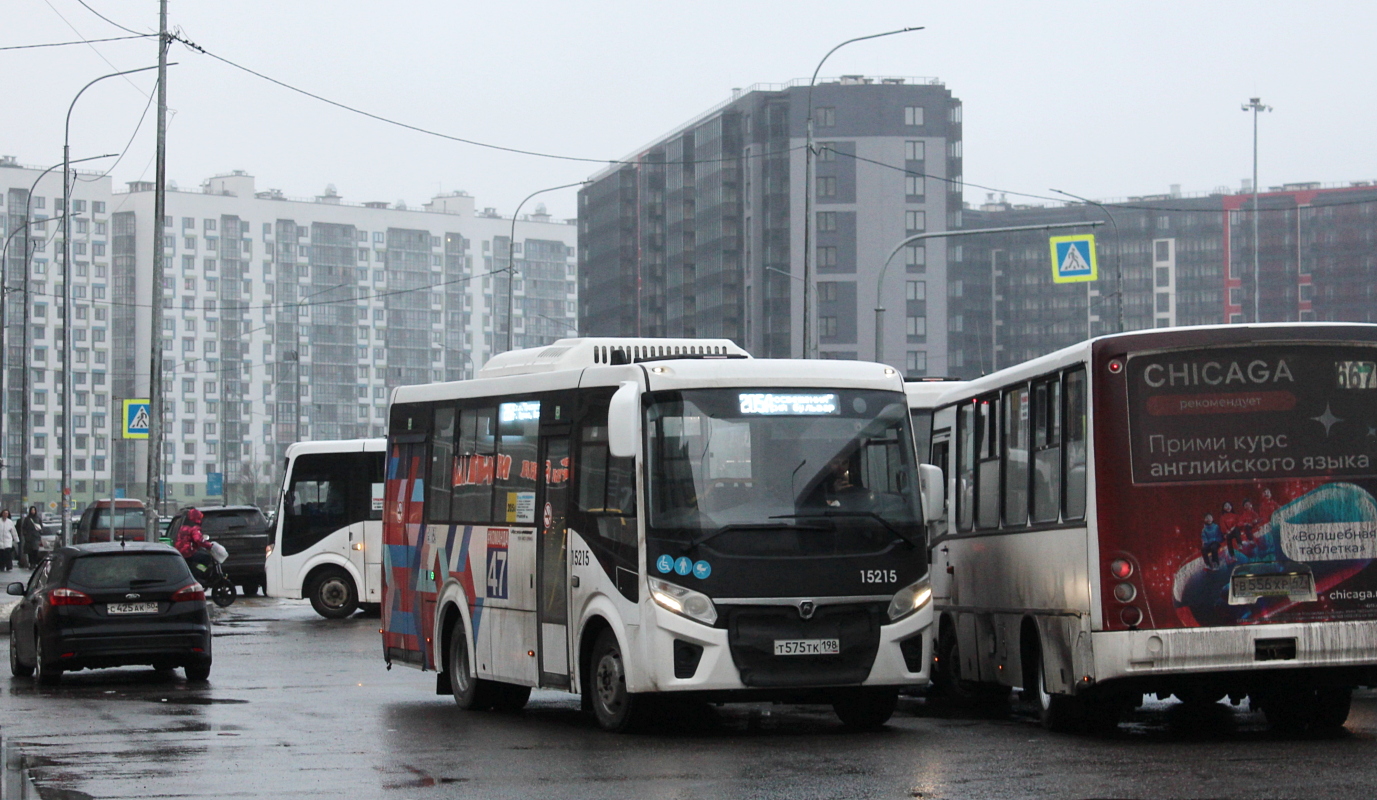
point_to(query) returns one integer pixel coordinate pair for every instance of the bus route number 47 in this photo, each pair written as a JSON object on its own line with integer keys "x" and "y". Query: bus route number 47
{"x": 497, "y": 572}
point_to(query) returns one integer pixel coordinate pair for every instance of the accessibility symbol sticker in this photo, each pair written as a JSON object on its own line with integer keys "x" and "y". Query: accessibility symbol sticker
{"x": 1073, "y": 258}
{"x": 665, "y": 564}
{"x": 683, "y": 565}
{"x": 701, "y": 569}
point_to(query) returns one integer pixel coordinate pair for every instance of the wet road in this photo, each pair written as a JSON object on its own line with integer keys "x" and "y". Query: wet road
{"x": 302, "y": 707}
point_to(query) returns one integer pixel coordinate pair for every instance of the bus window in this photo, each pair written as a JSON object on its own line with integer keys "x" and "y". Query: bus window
{"x": 326, "y": 493}
{"x": 987, "y": 474}
{"x": 517, "y": 461}
{"x": 965, "y": 467}
{"x": 474, "y": 459}
{"x": 606, "y": 485}
{"x": 1075, "y": 444}
{"x": 941, "y": 448}
{"x": 1016, "y": 456}
{"x": 1046, "y": 450}
{"x": 441, "y": 466}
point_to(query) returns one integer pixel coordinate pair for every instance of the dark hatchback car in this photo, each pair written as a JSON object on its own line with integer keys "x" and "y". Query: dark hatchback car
{"x": 94, "y": 606}
{"x": 243, "y": 531}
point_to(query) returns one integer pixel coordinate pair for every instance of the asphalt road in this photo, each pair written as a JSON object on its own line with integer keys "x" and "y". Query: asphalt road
{"x": 302, "y": 707}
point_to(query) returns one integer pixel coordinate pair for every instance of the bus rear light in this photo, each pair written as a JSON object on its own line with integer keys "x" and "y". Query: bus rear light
{"x": 1125, "y": 592}
{"x": 1116, "y": 366}
{"x": 1120, "y": 568}
{"x": 69, "y": 597}
{"x": 1130, "y": 616}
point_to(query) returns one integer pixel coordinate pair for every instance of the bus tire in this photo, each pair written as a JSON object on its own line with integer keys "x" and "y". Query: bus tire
{"x": 952, "y": 688}
{"x": 616, "y": 709}
{"x": 333, "y": 594}
{"x": 1061, "y": 713}
{"x": 865, "y": 709}
{"x": 1300, "y": 711}
{"x": 509, "y": 697}
{"x": 471, "y": 693}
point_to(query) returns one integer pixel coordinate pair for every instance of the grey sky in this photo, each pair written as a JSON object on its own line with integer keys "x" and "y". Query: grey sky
{"x": 1101, "y": 99}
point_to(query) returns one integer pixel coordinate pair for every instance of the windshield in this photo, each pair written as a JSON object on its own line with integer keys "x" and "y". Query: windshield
{"x": 124, "y": 518}
{"x": 788, "y": 472}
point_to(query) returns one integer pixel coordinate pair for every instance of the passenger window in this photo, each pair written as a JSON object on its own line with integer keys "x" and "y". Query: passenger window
{"x": 475, "y": 455}
{"x": 987, "y": 477}
{"x": 965, "y": 467}
{"x": 606, "y": 485}
{"x": 1046, "y": 450}
{"x": 1016, "y": 457}
{"x": 941, "y": 448}
{"x": 517, "y": 466}
{"x": 441, "y": 466}
{"x": 1076, "y": 427}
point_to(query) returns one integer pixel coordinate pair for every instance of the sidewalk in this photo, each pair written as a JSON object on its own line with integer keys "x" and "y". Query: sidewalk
{"x": 7, "y": 601}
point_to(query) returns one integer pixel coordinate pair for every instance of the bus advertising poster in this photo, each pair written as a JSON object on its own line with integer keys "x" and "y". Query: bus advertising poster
{"x": 1254, "y": 472}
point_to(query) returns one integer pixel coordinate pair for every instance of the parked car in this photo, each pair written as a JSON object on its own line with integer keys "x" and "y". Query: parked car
{"x": 243, "y": 530}
{"x": 110, "y": 604}
{"x": 130, "y": 522}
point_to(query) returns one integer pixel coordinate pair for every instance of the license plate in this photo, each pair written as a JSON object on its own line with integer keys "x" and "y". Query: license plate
{"x": 1298, "y": 586}
{"x": 807, "y": 647}
{"x": 131, "y": 608}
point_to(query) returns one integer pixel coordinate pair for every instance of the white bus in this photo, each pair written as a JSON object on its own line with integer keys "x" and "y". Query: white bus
{"x": 327, "y": 539}
{"x": 1183, "y": 512}
{"x": 742, "y": 529}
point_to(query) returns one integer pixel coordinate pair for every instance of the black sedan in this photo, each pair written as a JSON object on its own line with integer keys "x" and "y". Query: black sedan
{"x": 93, "y": 606}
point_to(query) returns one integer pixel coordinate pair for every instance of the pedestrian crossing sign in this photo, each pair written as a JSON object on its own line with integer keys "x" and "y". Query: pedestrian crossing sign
{"x": 137, "y": 418}
{"x": 1073, "y": 258}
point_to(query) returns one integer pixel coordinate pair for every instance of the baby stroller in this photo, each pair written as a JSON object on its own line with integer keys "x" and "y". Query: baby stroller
{"x": 208, "y": 572}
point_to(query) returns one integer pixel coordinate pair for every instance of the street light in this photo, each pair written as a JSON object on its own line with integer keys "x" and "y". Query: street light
{"x": 1255, "y": 105}
{"x": 66, "y": 534}
{"x": 1118, "y": 256}
{"x": 808, "y": 187}
{"x": 511, "y": 254}
{"x": 918, "y": 237}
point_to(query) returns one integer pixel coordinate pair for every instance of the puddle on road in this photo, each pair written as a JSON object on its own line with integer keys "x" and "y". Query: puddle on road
{"x": 196, "y": 700}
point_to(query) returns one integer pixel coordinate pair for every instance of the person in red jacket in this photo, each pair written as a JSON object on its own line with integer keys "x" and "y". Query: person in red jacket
{"x": 1228, "y": 525}
{"x": 192, "y": 543}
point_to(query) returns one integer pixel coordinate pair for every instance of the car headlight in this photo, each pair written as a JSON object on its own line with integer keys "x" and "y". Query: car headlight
{"x": 683, "y": 601}
{"x": 909, "y": 599}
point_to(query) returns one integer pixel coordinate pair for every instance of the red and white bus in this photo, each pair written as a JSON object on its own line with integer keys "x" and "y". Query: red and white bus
{"x": 627, "y": 517}
{"x": 1182, "y": 512}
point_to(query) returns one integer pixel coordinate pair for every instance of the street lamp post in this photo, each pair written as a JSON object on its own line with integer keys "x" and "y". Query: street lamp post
{"x": 918, "y": 237}
{"x": 808, "y": 188}
{"x": 1255, "y": 105}
{"x": 1118, "y": 257}
{"x": 511, "y": 254}
{"x": 66, "y": 534}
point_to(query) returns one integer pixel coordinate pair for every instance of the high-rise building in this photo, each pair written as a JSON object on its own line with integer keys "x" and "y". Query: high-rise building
{"x": 1185, "y": 261}
{"x": 700, "y": 234}
{"x": 283, "y": 319}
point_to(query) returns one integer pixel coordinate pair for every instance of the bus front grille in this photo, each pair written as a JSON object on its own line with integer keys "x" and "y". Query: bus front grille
{"x": 753, "y": 630}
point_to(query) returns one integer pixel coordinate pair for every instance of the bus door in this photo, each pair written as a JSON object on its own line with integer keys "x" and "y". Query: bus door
{"x": 408, "y": 613}
{"x": 552, "y": 559}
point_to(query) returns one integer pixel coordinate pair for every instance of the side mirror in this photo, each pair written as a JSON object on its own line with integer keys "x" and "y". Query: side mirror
{"x": 624, "y": 421}
{"x": 16, "y": 589}
{"x": 933, "y": 487}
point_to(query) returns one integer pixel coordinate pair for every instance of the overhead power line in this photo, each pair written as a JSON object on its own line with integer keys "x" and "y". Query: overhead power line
{"x": 112, "y": 22}
{"x": 79, "y": 41}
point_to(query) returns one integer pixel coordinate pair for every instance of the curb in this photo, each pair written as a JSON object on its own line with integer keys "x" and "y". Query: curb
{"x": 5, "y": 609}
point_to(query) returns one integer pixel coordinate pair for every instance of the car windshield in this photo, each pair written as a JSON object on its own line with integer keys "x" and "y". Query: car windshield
{"x": 782, "y": 471}
{"x": 232, "y": 521}
{"x": 119, "y": 570}
{"x": 124, "y": 518}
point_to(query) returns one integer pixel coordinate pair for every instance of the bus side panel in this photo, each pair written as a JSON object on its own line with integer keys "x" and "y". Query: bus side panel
{"x": 406, "y": 552}
{"x": 370, "y": 591}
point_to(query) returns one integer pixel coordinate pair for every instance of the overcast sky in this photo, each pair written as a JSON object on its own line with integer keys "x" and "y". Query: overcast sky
{"x": 1102, "y": 99}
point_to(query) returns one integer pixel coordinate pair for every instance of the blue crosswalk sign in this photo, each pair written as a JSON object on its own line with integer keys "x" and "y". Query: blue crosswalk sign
{"x": 138, "y": 416}
{"x": 1073, "y": 258}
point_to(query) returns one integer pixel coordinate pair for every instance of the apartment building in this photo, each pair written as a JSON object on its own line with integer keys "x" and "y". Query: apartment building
{"x": 701, "y": 234}
{"x": 284, "y": 319}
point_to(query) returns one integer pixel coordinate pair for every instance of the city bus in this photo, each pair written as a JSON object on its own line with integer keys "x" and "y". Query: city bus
{"x": 326, "y": 542}
{"x": 1183, "y": 512}
{"x": 630, "y": 519}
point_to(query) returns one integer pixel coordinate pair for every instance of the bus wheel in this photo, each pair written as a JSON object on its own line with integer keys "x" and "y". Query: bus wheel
{"x": 1298, "y": 711}
{"x": 616, "y": 709}
{"x": 470, "y": 693}
{"x": 1062, "y": 713}
{"x": 952, "y": 688}
{"x": 333, "y": 595}
{"x": 865, "y": 709}
{"x": 510, "y": 697}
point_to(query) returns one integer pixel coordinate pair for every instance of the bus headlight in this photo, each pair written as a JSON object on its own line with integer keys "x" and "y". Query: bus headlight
{"x": 683, "y": 601}
{"x": 909, "y": 599}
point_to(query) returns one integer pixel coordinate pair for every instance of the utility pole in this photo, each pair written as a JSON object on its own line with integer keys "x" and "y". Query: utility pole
{"x": 155, "y": 369}
{"x": 1255, "y": 105}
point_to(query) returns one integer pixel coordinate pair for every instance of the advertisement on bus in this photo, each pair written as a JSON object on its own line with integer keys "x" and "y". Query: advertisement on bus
{"x": 1254, "y": 470}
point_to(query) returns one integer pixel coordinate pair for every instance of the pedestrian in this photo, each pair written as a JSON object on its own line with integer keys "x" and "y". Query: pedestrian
{"x": 30, "y": 538}
{"x": 9, "y": 537}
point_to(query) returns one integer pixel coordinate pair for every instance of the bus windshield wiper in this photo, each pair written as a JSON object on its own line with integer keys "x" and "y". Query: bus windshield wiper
{"x": 898, "y": 534}
{"x": 757, "y": 526}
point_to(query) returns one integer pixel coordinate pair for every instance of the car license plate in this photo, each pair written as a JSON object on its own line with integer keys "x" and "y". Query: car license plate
{"x": 807, "y": 647}
{"x": 1298, "y": 586}
{"x": 131, "y": 608}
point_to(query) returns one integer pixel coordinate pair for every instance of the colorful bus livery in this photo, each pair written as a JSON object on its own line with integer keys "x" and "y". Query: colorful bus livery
{"x": 1183, "y": 512}
{"x": 622, "y": 518}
